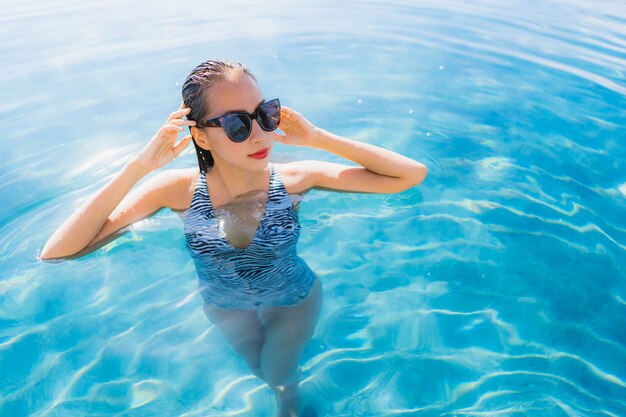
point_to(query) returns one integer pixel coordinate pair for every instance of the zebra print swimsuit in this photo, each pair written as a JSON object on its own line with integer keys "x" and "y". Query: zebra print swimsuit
{"x": 267, "y": 272}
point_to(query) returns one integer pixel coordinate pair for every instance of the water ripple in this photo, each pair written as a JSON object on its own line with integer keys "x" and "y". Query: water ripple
{"x": 493, "y": 288}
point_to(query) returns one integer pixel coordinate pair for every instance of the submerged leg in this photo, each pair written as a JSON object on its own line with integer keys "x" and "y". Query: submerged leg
{"x": 287, "y": 331}
{"x": 244, "y": 332}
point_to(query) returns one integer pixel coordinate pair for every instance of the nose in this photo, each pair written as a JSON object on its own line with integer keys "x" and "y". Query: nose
{"x": 257, "y": 134}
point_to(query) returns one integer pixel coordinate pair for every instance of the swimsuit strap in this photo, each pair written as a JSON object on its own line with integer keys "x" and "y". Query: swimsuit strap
{"x": 274, "y": 192}
{"x": 274, "y": 182}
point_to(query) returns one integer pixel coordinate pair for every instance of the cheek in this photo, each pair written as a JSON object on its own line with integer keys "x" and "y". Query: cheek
{"x": 219, "y": 142}
{"x": 230, "y": 150}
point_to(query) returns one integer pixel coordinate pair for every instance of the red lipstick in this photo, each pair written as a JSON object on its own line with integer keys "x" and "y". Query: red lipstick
{"x": 261, "y": 154}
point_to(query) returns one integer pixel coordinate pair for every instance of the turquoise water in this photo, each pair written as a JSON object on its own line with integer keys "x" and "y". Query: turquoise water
{"x": 495, "y": 288}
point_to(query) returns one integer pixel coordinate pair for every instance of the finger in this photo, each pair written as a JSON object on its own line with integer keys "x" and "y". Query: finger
{"x": 170, "y": 128}
{"x": 182, "y": 104}
{"x": 182, "y": 145}
{"x": 287, "y": 112}
{"x": 180, "y": 122}
{"x": 178, "y": 113}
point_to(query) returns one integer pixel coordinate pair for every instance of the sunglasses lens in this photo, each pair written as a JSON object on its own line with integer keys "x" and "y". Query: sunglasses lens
{"x": 269, "y": 115}
{"x": 237, "y": 127}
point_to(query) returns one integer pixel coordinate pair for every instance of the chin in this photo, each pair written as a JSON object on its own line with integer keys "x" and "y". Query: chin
{"x": 257, "y": 165}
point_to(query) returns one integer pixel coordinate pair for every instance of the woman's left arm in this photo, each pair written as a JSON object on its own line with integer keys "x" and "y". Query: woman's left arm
{"x": 381, "y": 171}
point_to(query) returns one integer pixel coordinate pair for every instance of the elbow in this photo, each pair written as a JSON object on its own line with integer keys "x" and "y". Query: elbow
{"x": 410, "y": 181}
{"x": 418, "y": 177}
{"x": 51, "y": 251}
{"x": 46, "y": 253}
{"x": 422, "y": 175}
{"x": 43, "y": 257}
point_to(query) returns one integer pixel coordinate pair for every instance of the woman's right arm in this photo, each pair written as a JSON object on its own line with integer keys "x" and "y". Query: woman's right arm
{"x": 84, "y": 224}
{"x": 96, "y": 218}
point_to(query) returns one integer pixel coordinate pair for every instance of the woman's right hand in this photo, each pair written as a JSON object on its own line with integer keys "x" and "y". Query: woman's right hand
{"x": 161, "y": 149}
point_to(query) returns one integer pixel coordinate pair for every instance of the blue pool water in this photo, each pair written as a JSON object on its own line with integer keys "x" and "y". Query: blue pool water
{"x": 495, "y": 288}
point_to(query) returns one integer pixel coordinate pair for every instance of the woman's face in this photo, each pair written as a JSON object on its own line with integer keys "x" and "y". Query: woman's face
{"x": 225, "y": 96}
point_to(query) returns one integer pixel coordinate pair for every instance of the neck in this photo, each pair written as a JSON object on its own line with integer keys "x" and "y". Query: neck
{"x": 236, "y": 180}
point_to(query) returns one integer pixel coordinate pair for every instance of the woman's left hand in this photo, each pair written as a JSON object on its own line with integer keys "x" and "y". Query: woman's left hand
{"x": 298, "y": 130}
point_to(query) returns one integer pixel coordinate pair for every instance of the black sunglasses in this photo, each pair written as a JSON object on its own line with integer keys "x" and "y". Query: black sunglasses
{"x": 238, "y": 124}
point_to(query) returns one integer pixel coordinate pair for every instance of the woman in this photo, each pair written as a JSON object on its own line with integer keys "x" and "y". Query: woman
{"x": 261, "y": 295}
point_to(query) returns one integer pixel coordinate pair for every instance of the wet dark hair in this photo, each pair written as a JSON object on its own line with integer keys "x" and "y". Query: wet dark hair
{"x": 194, "y": 90}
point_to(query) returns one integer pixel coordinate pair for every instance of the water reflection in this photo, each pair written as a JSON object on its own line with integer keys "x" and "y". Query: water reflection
{"x": 515, "y": 107}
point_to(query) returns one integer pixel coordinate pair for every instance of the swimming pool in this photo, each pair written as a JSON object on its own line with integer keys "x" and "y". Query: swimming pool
{"x": 496, "y": 287}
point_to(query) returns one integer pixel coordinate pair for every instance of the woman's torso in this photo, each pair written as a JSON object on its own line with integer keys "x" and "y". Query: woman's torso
{"x": 185, "y": 187}
{"x": 245, "y": 250}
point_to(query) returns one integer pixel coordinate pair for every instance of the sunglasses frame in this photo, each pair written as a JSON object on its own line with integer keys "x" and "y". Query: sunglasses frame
{"x": 217, "y": 121}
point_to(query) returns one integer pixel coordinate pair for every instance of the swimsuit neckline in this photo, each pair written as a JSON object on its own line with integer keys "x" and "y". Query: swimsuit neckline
{"x": 211, "y": 213}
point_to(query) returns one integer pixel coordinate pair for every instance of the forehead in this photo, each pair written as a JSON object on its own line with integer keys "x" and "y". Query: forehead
{"x": 241, "y": 93}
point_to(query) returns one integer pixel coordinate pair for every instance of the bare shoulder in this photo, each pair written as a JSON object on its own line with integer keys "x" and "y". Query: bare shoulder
{"x": 178, "y": 187}
{"x": 301, "y": 176}
{"x": 296, "y": 176}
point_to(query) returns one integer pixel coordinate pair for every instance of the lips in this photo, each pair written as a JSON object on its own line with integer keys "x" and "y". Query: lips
{"x": 261, "y": 154}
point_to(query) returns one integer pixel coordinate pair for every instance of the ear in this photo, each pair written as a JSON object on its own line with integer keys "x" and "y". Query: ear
{"x": 201, "y": 138}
